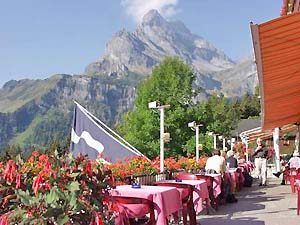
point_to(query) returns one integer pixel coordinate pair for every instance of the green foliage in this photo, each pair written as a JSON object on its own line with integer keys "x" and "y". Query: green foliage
{"x": 217, "y": 115}
{"x": 23, "y": 92}
{"x": 43, "y": 129}
{"x": 170, "y": 83}
{"x": 10, "y": 152}
{"x": 250, "y": 105}
{"x": 49, "y": 189}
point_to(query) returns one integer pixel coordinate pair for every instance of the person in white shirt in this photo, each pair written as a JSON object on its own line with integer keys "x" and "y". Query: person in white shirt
{"x": 294, "y": 162}
{"x": 216, "y": 162}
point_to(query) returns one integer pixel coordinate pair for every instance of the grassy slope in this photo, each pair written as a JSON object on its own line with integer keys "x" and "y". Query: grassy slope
{"x": 21, "y": 138}
{"x": 24, "y": 92}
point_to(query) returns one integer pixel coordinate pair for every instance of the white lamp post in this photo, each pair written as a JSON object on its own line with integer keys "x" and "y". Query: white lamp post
{"x": 276, "y": 148}
{"x": 196, "y": 126}
{"x": 156, "y": 105}
{"x": 232, "y": 143}
{"x": 215, "y": 138}
{"x": 245, "y": 140}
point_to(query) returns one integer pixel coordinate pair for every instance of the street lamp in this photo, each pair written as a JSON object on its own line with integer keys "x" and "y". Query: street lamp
{"x": 215, "y": 138}
{"x": 196, "y": 126}
{"x": 157, "y": 105}
{"x": 245, "y": 140}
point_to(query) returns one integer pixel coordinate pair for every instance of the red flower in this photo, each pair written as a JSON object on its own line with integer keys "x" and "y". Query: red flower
{"x": 3, "y": 220}
{"x": 47, "y": 186}
{"x": 88, "y": 168}
{"x": 29, "y": 214}
{"x": 43, "y": 158}
{"x": 18, "y": 181}
{"x": 47, "y": 167}
{"x": 98, "y": 220}
{"x": 10, "y": 170}
{"x": 37, "y": 183}
{"x": 35, "y": 153}
{"x": 31, "y": 159}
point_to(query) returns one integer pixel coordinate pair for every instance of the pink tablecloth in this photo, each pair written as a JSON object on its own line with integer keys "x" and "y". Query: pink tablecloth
{"x": 200, "y": 192}
{"x": 232, "y": 177}
{"x": 217, "y": 181}
{"x": 166, "y": 199}
{"x": 247, "y": 166}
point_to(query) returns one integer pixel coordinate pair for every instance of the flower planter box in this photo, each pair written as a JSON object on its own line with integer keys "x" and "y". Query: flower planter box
{"x": 145, "y": 179}
{"x": 150, "y": 179}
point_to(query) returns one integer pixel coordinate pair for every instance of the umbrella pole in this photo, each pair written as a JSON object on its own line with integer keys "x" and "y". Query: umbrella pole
{"x": 297, "y": 139}
{"x": 276, "y": 148}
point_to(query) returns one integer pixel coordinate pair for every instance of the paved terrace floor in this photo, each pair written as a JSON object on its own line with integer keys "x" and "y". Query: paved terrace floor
{"x": 274, "y": 204}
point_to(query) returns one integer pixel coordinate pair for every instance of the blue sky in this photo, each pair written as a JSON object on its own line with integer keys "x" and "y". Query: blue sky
{"x": 39, "y": 38}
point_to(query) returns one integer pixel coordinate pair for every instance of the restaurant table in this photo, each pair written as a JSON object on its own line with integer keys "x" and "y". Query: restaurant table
{"x": 235, "y": 177}
{"x": 217, "y": 181}
{"x": 166, "y": 199}
{"x": 200, "y": 193}
{"x": 246, "y": 167}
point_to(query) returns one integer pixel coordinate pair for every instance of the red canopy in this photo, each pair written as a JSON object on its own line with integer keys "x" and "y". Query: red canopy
{"x": 277, "y": 52}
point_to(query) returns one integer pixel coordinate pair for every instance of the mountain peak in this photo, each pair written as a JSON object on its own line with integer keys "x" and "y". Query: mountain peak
{"x": 153, "y": 18}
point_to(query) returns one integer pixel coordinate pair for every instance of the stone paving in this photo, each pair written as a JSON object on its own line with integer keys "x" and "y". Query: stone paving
{"x": 274, "y": 204}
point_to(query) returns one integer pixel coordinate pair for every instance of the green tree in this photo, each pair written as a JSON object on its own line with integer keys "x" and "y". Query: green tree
{"x": 217, "y": 115}
{"x": 10, "y": 152}
{"x": 250, "y": 105}
{"x": 170, "y": 83}
{"x": 53, "y": 147}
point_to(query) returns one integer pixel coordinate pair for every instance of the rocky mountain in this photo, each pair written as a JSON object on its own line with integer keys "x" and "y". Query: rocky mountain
{"x": 35, "y": 112}
{"x": 156, "y": 38}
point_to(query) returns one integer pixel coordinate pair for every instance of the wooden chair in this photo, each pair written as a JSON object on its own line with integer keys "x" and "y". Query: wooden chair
{"x": 190, "y": 176}
{"x": 185, "y": 176}
{"x": 292, "y": 176}
{"x": 210, "y": 181}
{"x": 186, "y": 198}
{"x": 134, "y": 219}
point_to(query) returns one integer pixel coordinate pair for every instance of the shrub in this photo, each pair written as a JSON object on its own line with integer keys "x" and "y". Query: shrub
{"x": 48, "y": 189}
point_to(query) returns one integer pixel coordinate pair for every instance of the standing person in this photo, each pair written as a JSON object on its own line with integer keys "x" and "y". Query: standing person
{"x": 260, "y": 159}
{"x": 294, "y": 161}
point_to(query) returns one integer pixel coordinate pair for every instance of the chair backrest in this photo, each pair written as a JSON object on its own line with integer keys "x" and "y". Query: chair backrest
{"x": 209, "y": 180}
{"x": 186, "y": 176}
{"x": 293, "y": 171}
{"x": 149, "y": 205}
{"x": 187, "y": 187}
{"x": 297, "y": 177}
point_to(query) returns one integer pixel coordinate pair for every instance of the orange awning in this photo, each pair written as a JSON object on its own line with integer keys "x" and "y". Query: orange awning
{"x": 277, "y": 52}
